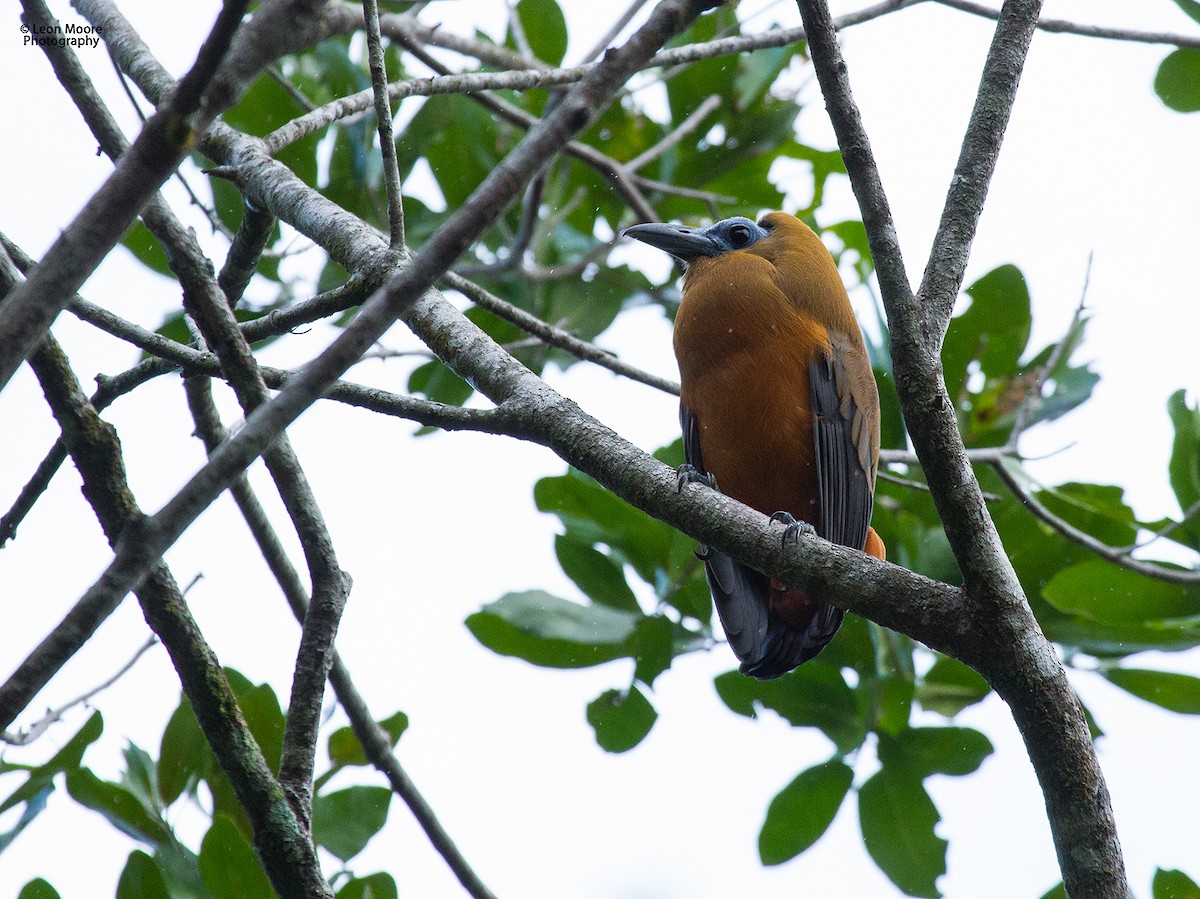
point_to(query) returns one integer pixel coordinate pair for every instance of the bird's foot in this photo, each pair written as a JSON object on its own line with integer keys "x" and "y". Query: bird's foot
{"x": 690, "y": 474}
{"x": 794, "y": 527}
{"x": 703, "y": 553}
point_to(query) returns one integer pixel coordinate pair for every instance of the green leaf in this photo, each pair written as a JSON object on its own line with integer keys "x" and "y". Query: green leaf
{"x": 897, "y": 818}
{"x": 802, "y": 811}
{"x": 598, "y": 575}
{"x": 1055, "y": 892}
{"x": 228, "y": 865}
{"x": 1184, "y": 467}
{"x": 1110, "y": 594}
{"x": 922, "y": 751}
{"x": 1177, "y": 692}
{"x": 38, "y": 889}
{"x": 992, "y": 331}
{"x": 145, "y": 247}
{"x": 950, "y": 686}
{"x": 344, "y": 748}
{"x": 41, "y": 778}
{"x": 621, "y": 720}
{"x": 656, "y": 644}
{"x": 1177, "y": 82}
{"x": 547, "y": 630}
{"x": 120, "y": 806}
{"x": 345, "y": 821}
{"x": 264, "y": 717}
{"x": 545, "y": 29}
{"x": 813, "y": 695}
{"x": 1191, "y": 7}
{"x": 183, "y": 756}
{"x": 1174, "y": 884}
{"x": 374, "y": 886}
{"x": 141, "y": 879}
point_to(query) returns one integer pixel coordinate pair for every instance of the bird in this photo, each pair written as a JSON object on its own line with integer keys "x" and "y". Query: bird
{"x": 779, "y": 410}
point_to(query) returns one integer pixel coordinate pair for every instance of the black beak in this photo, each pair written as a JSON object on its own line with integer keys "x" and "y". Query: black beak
{"x": 680, "y": 241}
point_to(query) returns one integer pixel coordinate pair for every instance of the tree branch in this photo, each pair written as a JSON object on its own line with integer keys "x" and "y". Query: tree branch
{"x": 383, "y": 116}
{"x": 1014, "y": 655}
{"x": 288, "y": 856}
{"x": 29, "y": 311}
{"x": 1061, "y": 26}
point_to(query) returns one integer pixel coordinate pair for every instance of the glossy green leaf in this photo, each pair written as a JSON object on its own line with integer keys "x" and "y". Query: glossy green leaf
{"x": 593, "y": 515}
{"x": 922, "y": 751}
{"x": 141, "y": 879}
{"x": 992, "y": 331}
{"x": 1184, "y": 467}
{"x": 1110, "y": 594}
{"x": 344, "y": 821}
{"x": 1177, "y": 692}
{"x": 547, "y": 630}
{"x": 374, "y": 886}
{"x": 898, "y": 818}
{"x": 228, "y": 865}
{"x": 1170, "y": 884}
{"x": 545, "y": 29}
{"x": 146, "y": 249}
{"x": 1096, "y": 509}
{"x": 344, "y": 748}
{"x": 183, "y": 756}
{"x": 1191, "y": 8}
{"x": 119, "y": 805}
{"x": 656, "y": 641}
{"x": 802, "y": 811}
{"x": 950, "y": 686}
{"x": 811, "y": 696}
{"x": 1177, "y": 81}
{"x": 38, "y": 889}
{"x": 1055, "y": 892}
{"x": 621, "y": 720}
{"x": 598, "y": 575}
{"x": 891, "y": 698}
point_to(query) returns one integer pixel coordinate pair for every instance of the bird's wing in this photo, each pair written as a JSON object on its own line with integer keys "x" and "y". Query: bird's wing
{"x": 741, "y": 594}
{"x": 846, "y": 438}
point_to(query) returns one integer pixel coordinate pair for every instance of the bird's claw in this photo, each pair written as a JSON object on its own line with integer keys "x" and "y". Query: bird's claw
{"x": 690, "y": 474}
{"x": 703, "y": 553}
{"x": 794, "y": 527}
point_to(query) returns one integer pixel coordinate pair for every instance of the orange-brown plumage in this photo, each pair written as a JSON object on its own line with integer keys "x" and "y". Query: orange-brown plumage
{"x": 778, "y": 402}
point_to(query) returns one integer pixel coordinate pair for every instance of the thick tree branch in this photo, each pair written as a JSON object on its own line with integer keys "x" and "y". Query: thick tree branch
{"x": 1012, "y": 654}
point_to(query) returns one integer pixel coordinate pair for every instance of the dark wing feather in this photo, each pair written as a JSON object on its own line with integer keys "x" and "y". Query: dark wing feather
{"x": 844, "y": 491}
{"x": 741, "y": 594}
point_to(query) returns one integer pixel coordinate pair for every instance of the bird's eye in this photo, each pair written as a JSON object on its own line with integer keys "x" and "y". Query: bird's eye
{"x": 739, "y": 235}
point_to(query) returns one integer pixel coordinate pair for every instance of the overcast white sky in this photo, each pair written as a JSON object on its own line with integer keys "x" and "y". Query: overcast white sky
{"x": 432, "y": 529}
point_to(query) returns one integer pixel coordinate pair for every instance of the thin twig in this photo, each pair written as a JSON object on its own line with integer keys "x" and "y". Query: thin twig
{"x": 53, "y": 716}
{"x": 1117, "y": 555}
{"x": 614, "y": 30}
{"x": 1033, "y": 395}
{"x": 546, "y": 332}
{"x": 1061, "y": 26}
{"x": 677, "y": 134}
{"x": 383, "y": 116}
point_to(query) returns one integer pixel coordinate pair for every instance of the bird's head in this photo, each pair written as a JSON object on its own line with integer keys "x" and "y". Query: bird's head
{"x": 688, "y": 244}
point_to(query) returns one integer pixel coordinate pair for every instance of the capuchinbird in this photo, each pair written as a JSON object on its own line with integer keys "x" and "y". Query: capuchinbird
{"x": 778, "y": 406}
